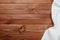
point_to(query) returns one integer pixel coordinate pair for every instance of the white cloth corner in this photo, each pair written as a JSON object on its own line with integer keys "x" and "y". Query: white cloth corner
{"x": 53, "y": 33}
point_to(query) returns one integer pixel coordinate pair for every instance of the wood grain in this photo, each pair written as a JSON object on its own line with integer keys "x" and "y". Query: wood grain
{"x": 23, "y": 36}
{"x": 32, "y": 32}
{"x": 24, "y": 19}
{"x": 30, "y": 21}
{"x": 25, "y": 1}
{"x": 24, "y": 11}
{"x": 29, "y": 27}
{"x": 24, "y": 16}
{"x": 25, "y": 6}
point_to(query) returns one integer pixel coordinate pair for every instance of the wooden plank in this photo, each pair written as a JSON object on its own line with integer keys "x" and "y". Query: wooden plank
{"x": 25, "y": 11}
{"x": 31, "y": 21}
{"x": 37, "y": 11}
{"x": 23, "y": 16}
{"x": 25, "y": 6}
{"x": 30, "y": 27}
{"x": 25, "y": 1}
{"x": 25, "y": 36}
{"x": 27, "y": 21}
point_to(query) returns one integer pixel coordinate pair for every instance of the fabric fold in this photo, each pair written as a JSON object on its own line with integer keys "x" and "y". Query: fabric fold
{"x": 53, "y": 33}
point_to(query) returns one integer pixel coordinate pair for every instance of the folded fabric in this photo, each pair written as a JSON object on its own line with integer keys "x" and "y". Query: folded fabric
{"x": 53, "y": 33}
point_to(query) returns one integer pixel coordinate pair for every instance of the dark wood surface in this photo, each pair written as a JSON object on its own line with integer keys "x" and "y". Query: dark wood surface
{"x": 24, "y": 19}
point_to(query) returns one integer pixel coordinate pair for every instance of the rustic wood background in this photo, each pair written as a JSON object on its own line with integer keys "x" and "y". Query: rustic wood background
{"x": 24, "y": 19}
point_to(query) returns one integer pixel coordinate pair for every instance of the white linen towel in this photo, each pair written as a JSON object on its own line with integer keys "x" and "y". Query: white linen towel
{"x": 53, "y": 33}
